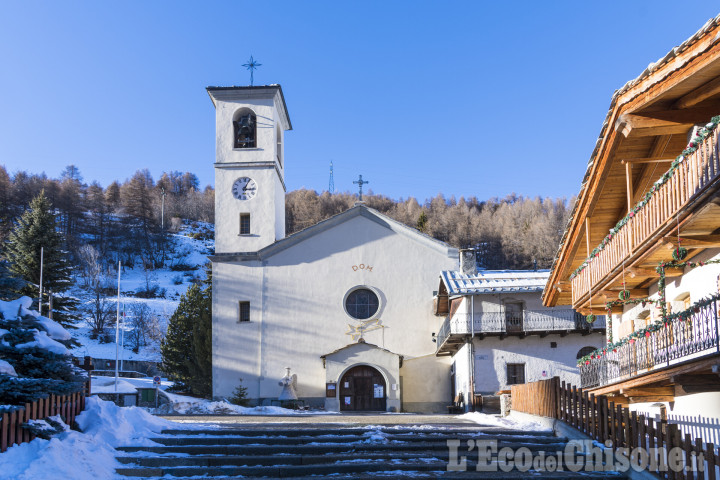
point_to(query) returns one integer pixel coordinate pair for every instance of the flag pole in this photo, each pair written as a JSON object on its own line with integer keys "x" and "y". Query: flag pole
{"x": 42, "y": 259}
{"x": 117, "y": 335}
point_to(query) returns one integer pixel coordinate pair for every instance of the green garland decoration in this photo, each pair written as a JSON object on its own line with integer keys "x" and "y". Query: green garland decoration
{"x": 665, "y": 318}
{"x": 679, "y": 254}
{"x": 654, "y": 327}
{"x": 694, "y": 144}
{"x": 609, "y": 305}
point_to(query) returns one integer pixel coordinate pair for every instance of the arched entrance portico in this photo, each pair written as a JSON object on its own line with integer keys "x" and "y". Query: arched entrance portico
{"x": 362, "y": 388}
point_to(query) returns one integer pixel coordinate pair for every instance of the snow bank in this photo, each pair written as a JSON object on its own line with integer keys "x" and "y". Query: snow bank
{"x": 83, "y": 456}
{"x": 11, "y": 310}
{"x": 7, "y": 369}
{"x": 43, "y": 341}
{"x": 197, "y": 406}
{"x": 54, "y": 329}
{"x": 107, "y": 385}
{"x": 504, "y": 422}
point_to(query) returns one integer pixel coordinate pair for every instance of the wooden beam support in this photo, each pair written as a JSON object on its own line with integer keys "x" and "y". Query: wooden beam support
{"x": 695, "y": 380}
{"x": 650, "y": 272}
{"x": 629, "y": 185}
{"x": 644, "y": 126}
{"x": 695, "y": 241}
{"x": 587, "y": 235}
{"x": 634, "y": 292}
{"x": 699, "y": 94}
{"x": 653, "y": 398}
{"x": 646, "y": 160}
{"x": 647, "y": 391}
{"x": 618, "y": 399}
{"x": 700, "y": 388}
{"x": 688, "y": 116}
{"x": 563, "y": 286}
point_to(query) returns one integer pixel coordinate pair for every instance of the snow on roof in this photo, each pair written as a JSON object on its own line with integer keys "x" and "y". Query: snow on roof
{"x": 494, "y": 281}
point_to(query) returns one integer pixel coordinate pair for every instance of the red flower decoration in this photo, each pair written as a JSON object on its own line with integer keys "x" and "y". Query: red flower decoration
{"x": 647, "y": 334}
{"x": 587, "y": 362}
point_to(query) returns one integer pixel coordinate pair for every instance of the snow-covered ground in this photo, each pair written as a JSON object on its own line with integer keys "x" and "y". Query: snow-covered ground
{"x": 89, "y": 455}
{"x": 188, "y": 251}
{"x": 184, "y": 405}
{"x": 512, "y": 421}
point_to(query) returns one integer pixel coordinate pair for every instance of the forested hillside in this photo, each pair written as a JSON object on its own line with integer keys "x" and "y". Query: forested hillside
{"x": 510, "y": 233}
{"x": 122, "y": 221}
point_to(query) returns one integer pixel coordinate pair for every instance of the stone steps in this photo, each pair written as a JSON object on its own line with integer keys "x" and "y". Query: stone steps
{"x": 284, "y": 451}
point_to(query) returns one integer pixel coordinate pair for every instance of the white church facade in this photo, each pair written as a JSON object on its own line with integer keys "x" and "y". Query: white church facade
{"x": 346, "y": 304}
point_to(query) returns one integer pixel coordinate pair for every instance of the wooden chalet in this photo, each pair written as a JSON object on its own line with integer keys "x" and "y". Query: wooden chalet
{"x": 643, "y": 241}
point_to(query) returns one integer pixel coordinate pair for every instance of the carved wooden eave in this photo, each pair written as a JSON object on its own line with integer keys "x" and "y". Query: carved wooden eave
{"x": 646, "y": 126}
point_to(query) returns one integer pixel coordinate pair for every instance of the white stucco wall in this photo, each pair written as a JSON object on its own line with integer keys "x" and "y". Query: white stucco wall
{"x": 267, "y": 208}
{"x": 698, "y": 282}
{"x": 297, "y": 310}
{"x": 541, "y": 360}
{"x": 268, "y": 204}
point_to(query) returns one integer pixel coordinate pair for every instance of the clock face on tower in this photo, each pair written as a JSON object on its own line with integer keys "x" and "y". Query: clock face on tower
{"x": 244, "y": 188}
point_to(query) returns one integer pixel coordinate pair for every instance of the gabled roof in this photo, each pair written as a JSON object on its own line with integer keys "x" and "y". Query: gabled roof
{"x": 494, "y": 281}
{"x": 352, "y": 345}
{"x": 358, "y": 210}
{"x": 652, "y": 77}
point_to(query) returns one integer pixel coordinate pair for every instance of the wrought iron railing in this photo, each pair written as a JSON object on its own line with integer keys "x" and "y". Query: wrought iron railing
{"x": 559, "y": 319}
{"x": 675, "y": 342}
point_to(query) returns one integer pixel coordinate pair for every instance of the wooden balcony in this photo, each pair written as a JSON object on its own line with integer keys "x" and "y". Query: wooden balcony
{"x": 459, "y": 327}
{"x": 684, "y": 343}
{"x": 680, "y": 201}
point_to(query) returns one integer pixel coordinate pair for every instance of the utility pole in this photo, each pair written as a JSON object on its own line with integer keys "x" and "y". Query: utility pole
{"x": 162, "y": 214}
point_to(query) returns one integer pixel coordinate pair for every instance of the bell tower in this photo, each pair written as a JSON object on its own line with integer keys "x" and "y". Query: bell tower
{"x": 250, "y": 126}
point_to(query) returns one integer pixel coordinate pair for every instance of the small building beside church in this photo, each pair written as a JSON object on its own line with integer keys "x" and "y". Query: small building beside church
{"x": 497, "y": 332}
{"x": 347, "y": 304}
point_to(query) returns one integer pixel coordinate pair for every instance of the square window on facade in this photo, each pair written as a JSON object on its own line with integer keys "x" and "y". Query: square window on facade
{"x": 244, "y": 311}
{"x": 515, "y": 373}
{"x": 244, "y": 224}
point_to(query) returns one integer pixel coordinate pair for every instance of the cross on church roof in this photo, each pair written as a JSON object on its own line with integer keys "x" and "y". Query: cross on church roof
{"x": 252, "y": 65}
{"x": 361, "y": 182}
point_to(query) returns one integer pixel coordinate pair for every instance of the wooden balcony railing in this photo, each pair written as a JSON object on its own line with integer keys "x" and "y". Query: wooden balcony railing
{"x": 677, "y": 342}
{"x": 691, "y": 177}
{"x": 559, "y": 319}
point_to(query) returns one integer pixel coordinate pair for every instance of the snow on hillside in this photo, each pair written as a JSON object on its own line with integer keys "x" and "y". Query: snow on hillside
{"x": 188, "y": 251}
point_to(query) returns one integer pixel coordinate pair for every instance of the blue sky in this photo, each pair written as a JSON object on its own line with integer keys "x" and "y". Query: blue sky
{"x": 464, "y": 98}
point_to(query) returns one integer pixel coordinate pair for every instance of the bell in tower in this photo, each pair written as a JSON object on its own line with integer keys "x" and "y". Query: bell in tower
{"x": 250, "y": 124}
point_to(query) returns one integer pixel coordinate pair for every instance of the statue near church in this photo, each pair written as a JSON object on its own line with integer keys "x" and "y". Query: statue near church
{"x": 289, "y": 384}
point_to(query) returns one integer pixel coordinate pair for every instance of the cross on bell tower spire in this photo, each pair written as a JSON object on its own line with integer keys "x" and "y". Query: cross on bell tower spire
{"x": 360, "y": 183}
{"x": 252, "y": 65}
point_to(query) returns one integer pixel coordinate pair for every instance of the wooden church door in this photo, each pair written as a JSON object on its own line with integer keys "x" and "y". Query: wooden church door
{"x": 362, "y": 388}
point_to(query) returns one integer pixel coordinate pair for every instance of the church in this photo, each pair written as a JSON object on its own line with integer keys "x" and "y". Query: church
{"x": 347, "y": 304}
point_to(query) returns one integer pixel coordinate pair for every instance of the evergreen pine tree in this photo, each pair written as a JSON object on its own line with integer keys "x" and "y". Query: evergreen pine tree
{"x": 36, "y": 229}
{"x": 33, "y": 346}
{"x": 187, "y": 348}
